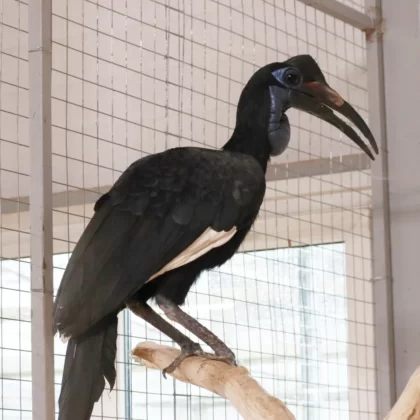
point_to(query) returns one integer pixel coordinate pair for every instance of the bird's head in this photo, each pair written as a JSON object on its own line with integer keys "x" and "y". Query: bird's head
{"x": 297, "y": 83}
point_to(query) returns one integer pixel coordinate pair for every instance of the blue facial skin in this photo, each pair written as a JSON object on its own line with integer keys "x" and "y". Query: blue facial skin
{"x": 278, "y": 123}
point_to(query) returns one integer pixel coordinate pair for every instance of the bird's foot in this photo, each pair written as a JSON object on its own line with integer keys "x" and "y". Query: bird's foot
{"x": 196, "y": 350}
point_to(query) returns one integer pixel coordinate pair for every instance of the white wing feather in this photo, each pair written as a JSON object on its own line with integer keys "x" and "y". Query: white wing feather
{"x": 207, "y": 241}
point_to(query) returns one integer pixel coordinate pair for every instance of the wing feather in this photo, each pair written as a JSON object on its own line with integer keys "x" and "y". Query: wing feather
{"x": 159, "y": 208}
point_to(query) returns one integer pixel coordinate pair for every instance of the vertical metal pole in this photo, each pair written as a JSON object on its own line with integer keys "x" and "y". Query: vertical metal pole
{"x": 382, "y": 268}
{"x": 40, "y": 39}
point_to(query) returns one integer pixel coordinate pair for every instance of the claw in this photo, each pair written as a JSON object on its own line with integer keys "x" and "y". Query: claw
{"x": 197, "y": 351}
{"x": 176, "y": 363}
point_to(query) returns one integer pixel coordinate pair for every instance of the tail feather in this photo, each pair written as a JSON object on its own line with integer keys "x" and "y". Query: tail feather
{"x": 89, "y": 360}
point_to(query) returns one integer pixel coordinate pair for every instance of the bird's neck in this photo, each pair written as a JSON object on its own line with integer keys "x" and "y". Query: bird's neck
{"x": 252, "y": 142}
{"x": 251, "y": 131}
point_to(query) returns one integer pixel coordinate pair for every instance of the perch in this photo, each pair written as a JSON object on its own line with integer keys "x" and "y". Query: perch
{"x": 232, "y": 383}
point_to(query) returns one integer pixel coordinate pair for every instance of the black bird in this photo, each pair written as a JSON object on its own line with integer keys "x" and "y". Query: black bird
{"x": 172, "y": 215}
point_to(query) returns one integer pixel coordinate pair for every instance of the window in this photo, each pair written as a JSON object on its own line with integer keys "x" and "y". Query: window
{"x": 282, "y": 311}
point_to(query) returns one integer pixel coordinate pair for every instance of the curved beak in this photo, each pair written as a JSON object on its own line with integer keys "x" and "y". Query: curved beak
{"x": 318, "y": 99}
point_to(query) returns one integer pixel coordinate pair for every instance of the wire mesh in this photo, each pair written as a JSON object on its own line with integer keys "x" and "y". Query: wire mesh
{"x": 15, "y": 336}
{"x": 132, "y": 78}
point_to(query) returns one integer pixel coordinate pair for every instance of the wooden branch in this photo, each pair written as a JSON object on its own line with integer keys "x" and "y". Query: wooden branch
{"x": 408, "y": 405}
{"x": 231, "y": 383}
{"x": 245, "y": 394}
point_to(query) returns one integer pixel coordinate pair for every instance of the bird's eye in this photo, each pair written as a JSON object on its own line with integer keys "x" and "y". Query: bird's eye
{"x": 292, "y": 77}
{"x": 289, "y": 77}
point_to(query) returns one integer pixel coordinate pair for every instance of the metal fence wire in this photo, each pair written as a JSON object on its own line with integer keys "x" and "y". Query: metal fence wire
{"x": 130, "y": 78}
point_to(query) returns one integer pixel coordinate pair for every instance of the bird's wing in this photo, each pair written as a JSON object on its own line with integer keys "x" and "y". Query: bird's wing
{"x": 164, "y": 211}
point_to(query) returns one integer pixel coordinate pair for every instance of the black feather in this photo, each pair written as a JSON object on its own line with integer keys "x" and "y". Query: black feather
{"x": 105, "y": 268}
{"x": 109, "y": 353}
{"x": 157, "y": 208}
{"x": 89, "y": 360}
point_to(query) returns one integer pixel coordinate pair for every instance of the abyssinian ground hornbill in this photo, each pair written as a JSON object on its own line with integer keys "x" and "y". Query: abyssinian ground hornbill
{"x": 172, "y": 215}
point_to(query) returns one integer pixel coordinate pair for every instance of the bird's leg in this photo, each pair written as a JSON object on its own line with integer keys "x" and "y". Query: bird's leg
{"x": 175, "y": 313}
{"x": 188, "y": 347}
